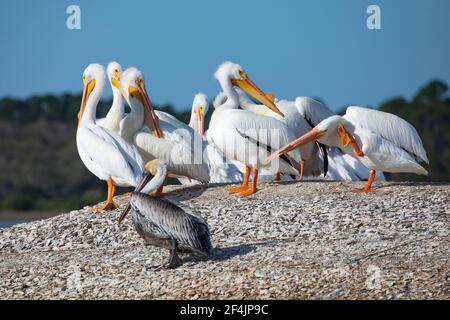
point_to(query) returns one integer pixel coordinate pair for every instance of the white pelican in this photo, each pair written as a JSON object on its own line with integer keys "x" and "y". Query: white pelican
{"x": 341, "y": 166}
{"x": 165, "y": 223}
{"x": 246, "y": 136}
{"x": 221, "y": 170}
{"x": 200, "y": 107}
{"x": 311, "y": 163}
{"x": 301, "y": 116}
{"x": 380, "y": 140}
{"x": 116, "y": 112}
{"x": 264, "y": 174}
{"x": 158, "y": 135}
{"x": 103, "y": 152}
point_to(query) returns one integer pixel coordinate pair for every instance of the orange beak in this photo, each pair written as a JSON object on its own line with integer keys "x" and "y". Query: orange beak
{"x": 87, "y": 90}
{"x": 308, "y": 137}
{"x": 151, "y": 118}
{"x": 252, "y": 89}
{"x": 201, "y": 123}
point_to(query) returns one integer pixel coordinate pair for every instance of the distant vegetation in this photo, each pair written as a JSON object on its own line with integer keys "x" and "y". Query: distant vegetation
{"x": 429, "y": 113}
{"x": 40, "y": 168}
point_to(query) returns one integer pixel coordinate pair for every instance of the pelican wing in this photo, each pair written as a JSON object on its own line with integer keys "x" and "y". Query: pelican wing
{"x": 178, "y": 148}
{"x": 346, "y": 167}
{"x": 312, "y": 110}
{"x": 232, "y": 130}
{"x": 296, "y": 121}
{"x": 109, "y": 152}
{"x": 390, "y": 127}
{"x": 101, "y": 122}
{"x": 285, "y": 157}
{"x": 221, "y": 170}
{"x": 175, "y": 221}
{"x": 266, "y": 130}
{"x": 170, "y": 119}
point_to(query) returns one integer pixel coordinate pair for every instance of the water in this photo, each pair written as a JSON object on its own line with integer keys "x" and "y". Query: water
{"x": 11, "y": 218}
{"x": 10, "y": 223}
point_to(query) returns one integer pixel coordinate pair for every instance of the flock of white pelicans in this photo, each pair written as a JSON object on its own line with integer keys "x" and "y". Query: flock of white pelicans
{"x": 246, "y": 140}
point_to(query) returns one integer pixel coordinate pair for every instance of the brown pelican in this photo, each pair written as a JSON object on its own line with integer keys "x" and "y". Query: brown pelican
{"x": 165, "y": 223}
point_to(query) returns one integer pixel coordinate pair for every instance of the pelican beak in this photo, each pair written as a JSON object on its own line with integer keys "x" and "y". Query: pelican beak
{"x": 270, "y": 96}
{"x": 347, "y": 138}
{"x": 308, "y": 137}
{"x": 124, "y": 213}
{"x": 151, "y": 118}
{"x": 145, "y": 177}
{"x": 201, "y": 121}
{"x": 87, "y": 90}
{"x": 249, "y": 87}
{"x": 116, "y": 83}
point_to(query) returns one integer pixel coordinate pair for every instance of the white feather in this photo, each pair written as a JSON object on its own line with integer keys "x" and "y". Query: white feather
{"x": 102, "y": 151}
{"x": 390, "y": 127}
{"x": 312, "y": 110}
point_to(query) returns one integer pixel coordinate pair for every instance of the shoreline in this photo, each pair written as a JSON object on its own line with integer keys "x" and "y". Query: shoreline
{"x": 9, "y": 215}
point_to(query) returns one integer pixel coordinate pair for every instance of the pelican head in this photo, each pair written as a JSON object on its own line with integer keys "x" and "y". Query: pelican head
{"x": 93, "y": 76}
{"x": 200, "y": 107}
{"x": 239, "y": 78}
{"x": 332, "y": 131}
{"x": 156, "y": 169}
{"x": 114, "y": 71}
{"x": 133, "y": 88}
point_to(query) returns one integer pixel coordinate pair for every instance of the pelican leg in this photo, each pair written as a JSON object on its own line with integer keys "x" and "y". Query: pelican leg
{"x": 278, "y": 177}
{"x": 174, "y": 260}
{"x": 109, "y": 205}
{"x": 367, "y": 188}
{"x": 301, "y": 170}
{"x": 244, "y": 185}
{"x": 251, "y": 190}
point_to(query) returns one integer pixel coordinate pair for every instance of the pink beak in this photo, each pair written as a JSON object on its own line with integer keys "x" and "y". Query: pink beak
{"x": 201, "y": 123}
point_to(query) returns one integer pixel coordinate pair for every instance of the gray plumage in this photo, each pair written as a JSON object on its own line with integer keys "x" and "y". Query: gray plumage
{"x": 159, "y": 221}
{"x": 165, "y": 223}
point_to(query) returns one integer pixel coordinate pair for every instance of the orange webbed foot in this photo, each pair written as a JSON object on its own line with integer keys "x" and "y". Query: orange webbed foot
{"x": 364, "y": 190}
{"x": 107, "y": 207}
{"x": 237, "y": 189}
{"x": 247, "y": 192}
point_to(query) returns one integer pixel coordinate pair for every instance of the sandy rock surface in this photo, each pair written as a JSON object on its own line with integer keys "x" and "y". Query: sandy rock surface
{"x": 290, "y": 240}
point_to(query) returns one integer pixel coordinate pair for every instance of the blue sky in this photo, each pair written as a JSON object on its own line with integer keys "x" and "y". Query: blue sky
{"x": 312, "y": 48}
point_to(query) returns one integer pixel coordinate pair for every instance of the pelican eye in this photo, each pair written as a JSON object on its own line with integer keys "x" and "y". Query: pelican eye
{"x": 200, "y": 109}
{"x": 242, "y": 74}
{"x": 140, "y": 82}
